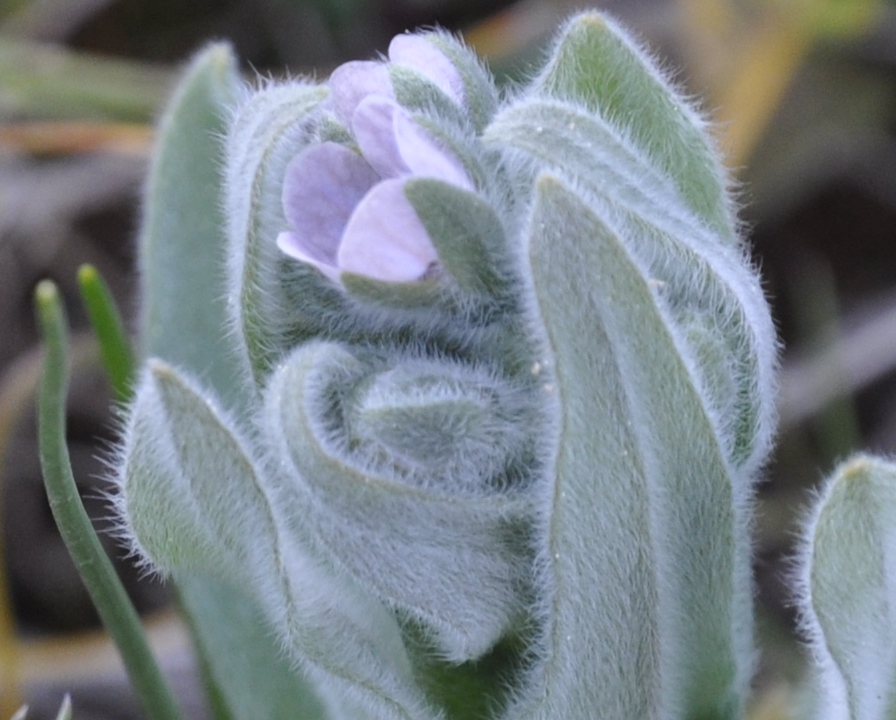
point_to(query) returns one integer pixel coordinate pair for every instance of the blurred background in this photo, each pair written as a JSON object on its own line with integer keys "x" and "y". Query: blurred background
{"x": 802, "y": 94}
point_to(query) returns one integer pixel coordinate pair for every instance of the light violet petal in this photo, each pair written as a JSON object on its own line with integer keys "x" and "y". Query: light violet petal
{"x": 322, "y": 186}
{"x": 423, "y": 156}
{"x": 353, "y": 81}
{"x": 291, "y": 244}
{"x": 422, "y": 56}
{"x": 385, "y": 239}
{"x": 374, "y": 129}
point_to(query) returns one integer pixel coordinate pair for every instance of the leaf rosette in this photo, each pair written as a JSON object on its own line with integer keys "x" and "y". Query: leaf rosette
{"x": 504, "y": 377}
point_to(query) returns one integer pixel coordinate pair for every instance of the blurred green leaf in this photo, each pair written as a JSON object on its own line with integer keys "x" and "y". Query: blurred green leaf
{"x": 115, "y": 347}
{"x": 42, "y": 81}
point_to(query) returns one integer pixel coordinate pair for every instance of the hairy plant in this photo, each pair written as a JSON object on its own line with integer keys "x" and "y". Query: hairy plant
{"x": 459, "y": 398}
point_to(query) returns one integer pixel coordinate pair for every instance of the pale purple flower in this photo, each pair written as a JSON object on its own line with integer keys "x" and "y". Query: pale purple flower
{"x": 352, "y": 82}
{"x": 347, "y": 209}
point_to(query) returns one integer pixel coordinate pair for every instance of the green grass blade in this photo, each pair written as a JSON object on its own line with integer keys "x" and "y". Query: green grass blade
{"x": 115, "y": 347}
{"x": 96, "y": 569}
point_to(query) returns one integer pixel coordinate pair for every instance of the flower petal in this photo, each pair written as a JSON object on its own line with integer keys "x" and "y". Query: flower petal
{"x": 323, "y": 185}
{"x": 422, "y": 56}
{"x": 385, "y": 239}
{"x": 423, "y": 157}
{"x": 374, "y": 128}
{"x": 291, "y": 244}
{"x": 353, "y": 81}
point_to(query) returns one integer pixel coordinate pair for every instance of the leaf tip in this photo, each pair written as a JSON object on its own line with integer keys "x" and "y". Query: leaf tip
{"x": 87, "y": 274}
{"x": 856, "y": 468}
{"x": 217, "y": 56}
{"x": 46, "y": 293}
{"x": 588, "y": 20}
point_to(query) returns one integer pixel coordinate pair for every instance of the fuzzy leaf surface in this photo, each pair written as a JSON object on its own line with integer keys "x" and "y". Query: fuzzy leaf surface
{"x": 648, "y": 557}
{"x": 707, "y": 286}
{"x": 181, "y": 252}
{"x": 182, "y": 257}
{"x": 466, "y": 233}
{"x": 268, "y": 131}
{"x": 850, "y": 589}
{"x": 596, "y": 64}
{"x": 195, "y": 500}
{"x": 439, "y": 552}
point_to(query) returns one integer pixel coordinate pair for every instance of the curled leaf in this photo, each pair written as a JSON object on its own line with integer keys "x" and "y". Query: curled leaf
{"x": 448, "y": 550}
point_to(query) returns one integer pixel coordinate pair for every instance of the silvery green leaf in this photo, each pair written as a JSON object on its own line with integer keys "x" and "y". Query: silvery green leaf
{"x": 190, "y": 489}
{"x": 184, "y": 321}
{"x": 249, "y": 680}
{"x": 724, "y": 333}
{"x": 706, "y": 285}
{"x": 194, "y": 499}
{"x": 180, "y": 235}
{"x": 267, "y": 131}
{"x": 450, "y": 429}
{"x": 169, "y": 434}
{"x": 597, "y": 65}
{"x": 848, "y": 578}
{"x": 643, "y": 503}
{"x": 574, "y": 141}
{"x": 447, "y": 551}
{"x": 466, "y": 232}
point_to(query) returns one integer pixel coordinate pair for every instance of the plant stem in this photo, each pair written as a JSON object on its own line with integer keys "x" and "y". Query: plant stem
{"x": 107, "y": 592}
